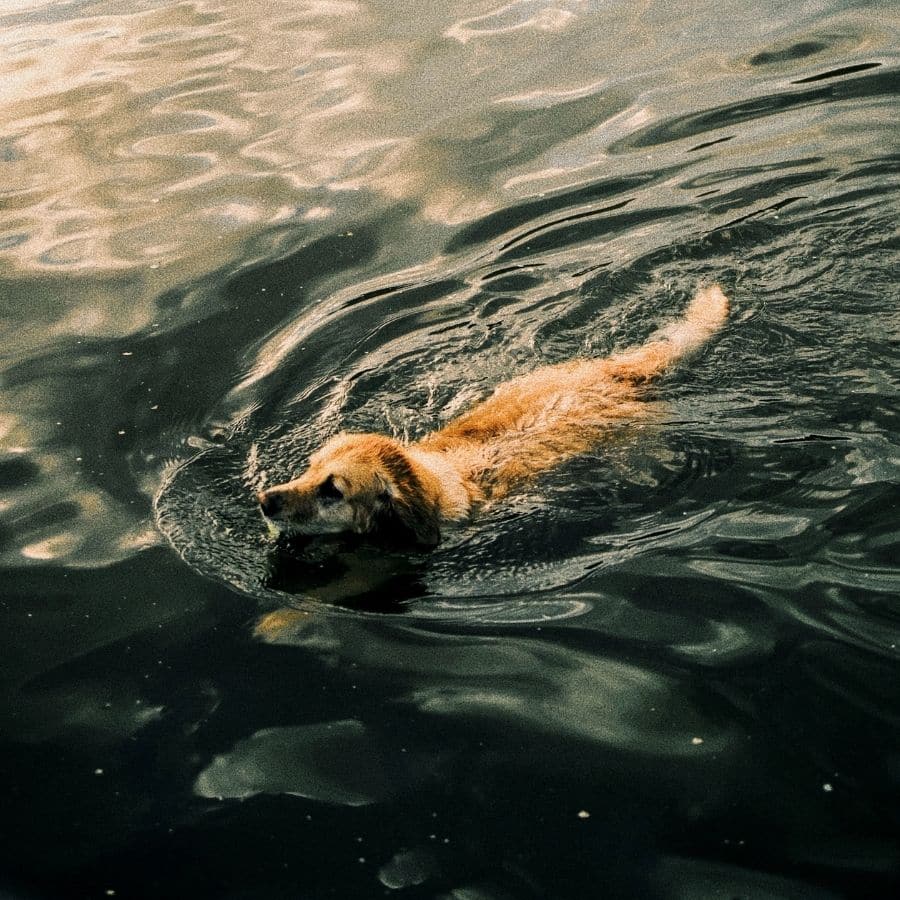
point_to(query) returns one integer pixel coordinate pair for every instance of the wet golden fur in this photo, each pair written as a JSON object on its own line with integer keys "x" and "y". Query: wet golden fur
{"x": 370, "y": 483}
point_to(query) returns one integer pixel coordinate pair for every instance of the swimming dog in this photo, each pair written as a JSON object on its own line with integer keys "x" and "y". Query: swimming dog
{"x": 371, "y": 484}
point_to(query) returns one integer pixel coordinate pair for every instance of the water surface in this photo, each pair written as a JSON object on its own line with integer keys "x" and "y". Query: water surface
{"x": 227, "y": 230}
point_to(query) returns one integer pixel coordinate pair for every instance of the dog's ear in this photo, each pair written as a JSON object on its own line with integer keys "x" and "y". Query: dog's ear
{"x": 417, "y": 517}
{"x": 407, "y": 506}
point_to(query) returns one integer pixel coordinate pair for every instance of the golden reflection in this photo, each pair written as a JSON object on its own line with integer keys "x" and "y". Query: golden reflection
{"x": 519, "y": 15}
{"x": 149, "y": 137}
{"x": 166, "y": 137}
{"x": 152, "y": 143}
{"x": 279, "y": 622}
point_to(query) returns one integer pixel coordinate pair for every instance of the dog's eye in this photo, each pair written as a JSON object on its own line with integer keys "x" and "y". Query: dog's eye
{"x": 329, "y": 491}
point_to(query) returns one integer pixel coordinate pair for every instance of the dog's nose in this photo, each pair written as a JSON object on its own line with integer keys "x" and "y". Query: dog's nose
{"x": 269, "y": 503}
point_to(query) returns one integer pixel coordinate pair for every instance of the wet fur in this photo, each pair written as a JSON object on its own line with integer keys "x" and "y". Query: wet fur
{"x": 373, "y": 484}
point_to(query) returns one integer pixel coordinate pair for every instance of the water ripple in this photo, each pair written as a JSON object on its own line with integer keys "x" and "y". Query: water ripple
{"x": 691, "y": 125}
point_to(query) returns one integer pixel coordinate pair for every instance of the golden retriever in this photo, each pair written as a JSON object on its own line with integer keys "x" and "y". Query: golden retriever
{"x": 376, "y": 485}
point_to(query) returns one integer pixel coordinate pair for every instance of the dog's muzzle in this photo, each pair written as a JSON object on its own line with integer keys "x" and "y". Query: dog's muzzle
{"x": 270, "y": 503}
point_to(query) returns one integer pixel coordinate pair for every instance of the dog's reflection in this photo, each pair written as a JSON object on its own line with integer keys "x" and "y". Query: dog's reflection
{"x": 346, "y": 571}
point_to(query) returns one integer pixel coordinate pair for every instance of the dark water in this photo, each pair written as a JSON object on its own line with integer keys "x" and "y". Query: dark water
{"x": 669, "y": 669}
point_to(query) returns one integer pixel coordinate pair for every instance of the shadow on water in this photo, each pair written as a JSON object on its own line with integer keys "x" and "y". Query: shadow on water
{"x": 347, "y": 573}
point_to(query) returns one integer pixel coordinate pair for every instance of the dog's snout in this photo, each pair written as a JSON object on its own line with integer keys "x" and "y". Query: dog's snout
{"x": 269, "y": 503}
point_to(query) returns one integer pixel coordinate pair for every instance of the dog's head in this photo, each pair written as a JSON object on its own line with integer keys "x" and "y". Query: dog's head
{"x": 358, "y": 483}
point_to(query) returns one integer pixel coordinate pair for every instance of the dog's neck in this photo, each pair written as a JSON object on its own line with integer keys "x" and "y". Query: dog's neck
{"x": 456, "y": 498}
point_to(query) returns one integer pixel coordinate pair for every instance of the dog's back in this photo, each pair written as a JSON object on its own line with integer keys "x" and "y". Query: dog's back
{"x": 533, "y": 422}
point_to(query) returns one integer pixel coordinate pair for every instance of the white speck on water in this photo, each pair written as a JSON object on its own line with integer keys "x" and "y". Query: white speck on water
{"x": 696, "y": 741}
{"x": 583, "y": 814}
{"x": 827, "y": 787}
{"x": 98, "y": 771}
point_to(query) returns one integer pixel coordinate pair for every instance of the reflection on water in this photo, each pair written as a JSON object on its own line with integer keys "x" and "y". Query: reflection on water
{"x": 335, "y": 762}
{"x": 229, "y": 230}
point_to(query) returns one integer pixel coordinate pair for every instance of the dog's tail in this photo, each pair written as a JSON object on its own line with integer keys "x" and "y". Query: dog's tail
{"x": 705, "y": 315}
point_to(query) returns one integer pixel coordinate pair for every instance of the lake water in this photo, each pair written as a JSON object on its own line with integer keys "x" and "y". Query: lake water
{"x": 668, "y": 669}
